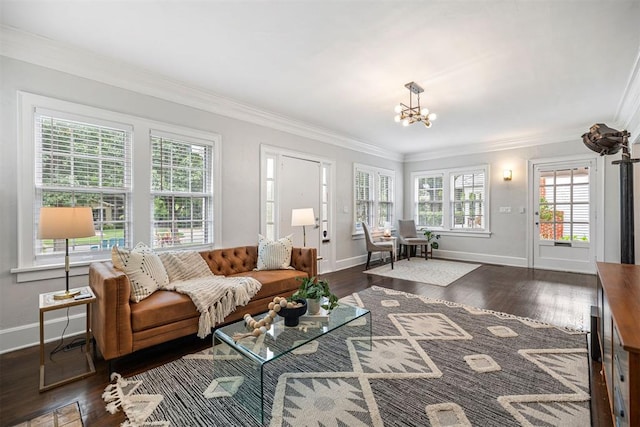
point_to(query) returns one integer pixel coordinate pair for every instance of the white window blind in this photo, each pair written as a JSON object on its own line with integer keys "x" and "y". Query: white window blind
{"x": 373, "y": 197}
{"x": 81, "y": 161}
{"x": 364, "y": 198}
{"x": 181, "y": 187}
{"x": 385, "y": 201}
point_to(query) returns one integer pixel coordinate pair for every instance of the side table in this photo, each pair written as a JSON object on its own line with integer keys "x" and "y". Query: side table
{"x": 393, "y": 240}
{"x": 48, "y": 303}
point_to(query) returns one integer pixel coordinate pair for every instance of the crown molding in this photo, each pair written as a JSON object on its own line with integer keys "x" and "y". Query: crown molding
{"x": 629, "y": 109}
{"x": 66, "y": 58}
{"x": 497, "y": 145}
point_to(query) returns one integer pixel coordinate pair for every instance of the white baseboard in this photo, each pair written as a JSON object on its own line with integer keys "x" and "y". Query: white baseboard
{"x": 29, "y": 335}
{"x": 350, "y": 262}
{"x": 451, "y": 255}
{"x": 482, "y": 258}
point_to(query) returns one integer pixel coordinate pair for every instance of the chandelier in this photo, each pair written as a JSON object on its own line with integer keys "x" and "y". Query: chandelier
{"x": 409, "y": 115}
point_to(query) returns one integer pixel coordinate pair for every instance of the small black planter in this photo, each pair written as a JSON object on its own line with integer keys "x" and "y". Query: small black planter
{"x": 292, "y": 315}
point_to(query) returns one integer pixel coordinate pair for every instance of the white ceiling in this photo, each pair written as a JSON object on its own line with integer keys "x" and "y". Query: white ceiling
{"x": 493, "y": 71}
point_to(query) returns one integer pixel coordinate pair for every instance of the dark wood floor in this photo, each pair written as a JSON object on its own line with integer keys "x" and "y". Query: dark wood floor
{"x": 562, "y": 299}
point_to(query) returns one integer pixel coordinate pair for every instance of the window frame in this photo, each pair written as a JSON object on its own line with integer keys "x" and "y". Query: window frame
{"x": 29, "y": 268}
{"x": 448, "y": 199}
{"x": 207, "y": 192}
{"x": 375, "y": 174}
{"x": 41, "y": 187}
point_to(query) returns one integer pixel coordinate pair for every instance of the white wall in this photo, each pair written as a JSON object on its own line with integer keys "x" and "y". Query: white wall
{"x": 240, "y": 182}
{"x": 508, "y": 242}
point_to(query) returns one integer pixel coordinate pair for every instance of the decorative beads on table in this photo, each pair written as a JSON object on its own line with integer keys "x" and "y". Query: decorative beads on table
{"x": 262, "y": 326}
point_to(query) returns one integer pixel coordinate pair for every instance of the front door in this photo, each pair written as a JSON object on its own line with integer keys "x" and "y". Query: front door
{"x": 564, "y": 216}
{"x": 299, "y": 189}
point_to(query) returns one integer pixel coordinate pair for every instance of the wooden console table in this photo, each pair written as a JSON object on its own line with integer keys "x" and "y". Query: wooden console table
{"x": 619, "y": 338}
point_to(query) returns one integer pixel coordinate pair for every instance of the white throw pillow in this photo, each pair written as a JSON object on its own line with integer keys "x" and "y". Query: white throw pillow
{"x": 274, "y": 255}
{"x": 143, "y": 268}
{"x": 184, "y": 265}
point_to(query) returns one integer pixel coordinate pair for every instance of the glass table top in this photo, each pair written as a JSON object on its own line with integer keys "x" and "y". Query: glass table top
{"x": 280, "y": 339}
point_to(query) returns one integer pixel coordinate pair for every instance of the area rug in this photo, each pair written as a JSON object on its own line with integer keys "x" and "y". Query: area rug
{"x": 432, "y": 363}
{"x": 434, "y": 271}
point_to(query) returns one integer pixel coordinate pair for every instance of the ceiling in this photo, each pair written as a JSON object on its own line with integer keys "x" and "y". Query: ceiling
{"x": 493, "y": 71}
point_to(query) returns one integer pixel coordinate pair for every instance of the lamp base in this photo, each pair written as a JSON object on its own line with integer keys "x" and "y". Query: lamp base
{"x": 66, "y": 294}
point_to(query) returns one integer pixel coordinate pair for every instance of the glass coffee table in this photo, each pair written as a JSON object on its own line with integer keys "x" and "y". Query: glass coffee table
{"x": 239, "y": 366}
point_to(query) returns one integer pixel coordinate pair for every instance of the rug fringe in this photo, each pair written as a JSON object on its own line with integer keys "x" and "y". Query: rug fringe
{"x": 115, "y": 399}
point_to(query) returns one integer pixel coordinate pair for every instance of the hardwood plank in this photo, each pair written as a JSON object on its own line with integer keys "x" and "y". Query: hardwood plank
{"x": 562, "y": 299}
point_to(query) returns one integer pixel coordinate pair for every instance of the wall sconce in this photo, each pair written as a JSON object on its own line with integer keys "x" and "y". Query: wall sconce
{"x": 506, "y": 175}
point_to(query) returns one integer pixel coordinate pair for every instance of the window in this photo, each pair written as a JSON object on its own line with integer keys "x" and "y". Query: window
{"x": 373, "y": 197}
{"x": 452, "y": 199}
{"x": 76, "y": 155}
{"x": 564, "y": 204}
{"x": 429, "y": 201}
{"x": 83, "y": 162}
{"x": 181, "y": 187}
{"x": 468, "y": 199}
{"x": 270, "y": 196}
{"x": 324, "y": 206}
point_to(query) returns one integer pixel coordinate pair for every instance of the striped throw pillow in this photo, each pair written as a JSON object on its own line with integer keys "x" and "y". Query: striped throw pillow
{"x": 184, "y": 265}
{"x": 143, "y": 268}
{"x": 274, "y": 255}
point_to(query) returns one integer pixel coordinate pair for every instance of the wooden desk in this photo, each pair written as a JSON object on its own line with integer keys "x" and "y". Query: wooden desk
{"x": 619, "y": 338}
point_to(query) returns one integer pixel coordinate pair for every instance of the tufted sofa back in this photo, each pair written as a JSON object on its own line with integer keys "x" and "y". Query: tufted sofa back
{"x": 230, "y": 261}
{"x": 236, "y": 260}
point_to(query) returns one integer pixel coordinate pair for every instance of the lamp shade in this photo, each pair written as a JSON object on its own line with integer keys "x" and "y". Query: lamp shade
{"x": 300, "y": 217}
{"x": 65, "y": 223}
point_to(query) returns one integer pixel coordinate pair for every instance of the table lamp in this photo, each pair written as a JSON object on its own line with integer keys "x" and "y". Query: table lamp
{"x": 65, "y": 223}
{"x": 303, "y": 217}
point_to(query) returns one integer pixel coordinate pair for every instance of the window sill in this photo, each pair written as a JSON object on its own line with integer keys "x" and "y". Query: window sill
{"x": 464, "y": 233}
{"x": 358, "y": 235}
{"x": 51, "y": 271}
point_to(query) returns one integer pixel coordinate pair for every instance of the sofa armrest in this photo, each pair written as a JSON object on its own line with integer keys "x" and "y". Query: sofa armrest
{"x": 111, "y": 313}
{"x": 305, "y": 259}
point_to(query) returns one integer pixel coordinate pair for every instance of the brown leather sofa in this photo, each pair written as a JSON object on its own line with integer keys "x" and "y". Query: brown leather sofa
{"x": 121, "y": 327}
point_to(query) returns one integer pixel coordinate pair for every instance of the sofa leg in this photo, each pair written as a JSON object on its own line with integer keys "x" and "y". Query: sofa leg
{"x": 368, "y": 260}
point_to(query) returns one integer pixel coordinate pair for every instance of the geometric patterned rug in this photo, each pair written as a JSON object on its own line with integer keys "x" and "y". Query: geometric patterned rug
{"x": 432, "y": 363}
{"x": 434, "y": 271}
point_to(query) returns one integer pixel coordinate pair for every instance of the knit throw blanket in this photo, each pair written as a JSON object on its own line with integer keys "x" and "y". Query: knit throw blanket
{"x": 215, "y": 297}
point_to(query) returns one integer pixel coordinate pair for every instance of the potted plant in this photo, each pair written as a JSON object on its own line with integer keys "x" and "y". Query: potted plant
{"x": 313, "y": 290}
{"x": 431, "y": 238}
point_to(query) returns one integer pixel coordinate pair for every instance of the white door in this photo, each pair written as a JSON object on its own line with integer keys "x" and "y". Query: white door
{"x": 299, "y": 183}
{"x": 564, "y": 216}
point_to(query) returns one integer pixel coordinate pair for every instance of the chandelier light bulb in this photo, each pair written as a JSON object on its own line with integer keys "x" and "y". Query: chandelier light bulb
{"x": 424, "y": 111}
{"x": 398, "y": 108}
{"x": 432, "y": 116}
{"x": 405, "y": 122}
{"x": 397, "y": 118}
